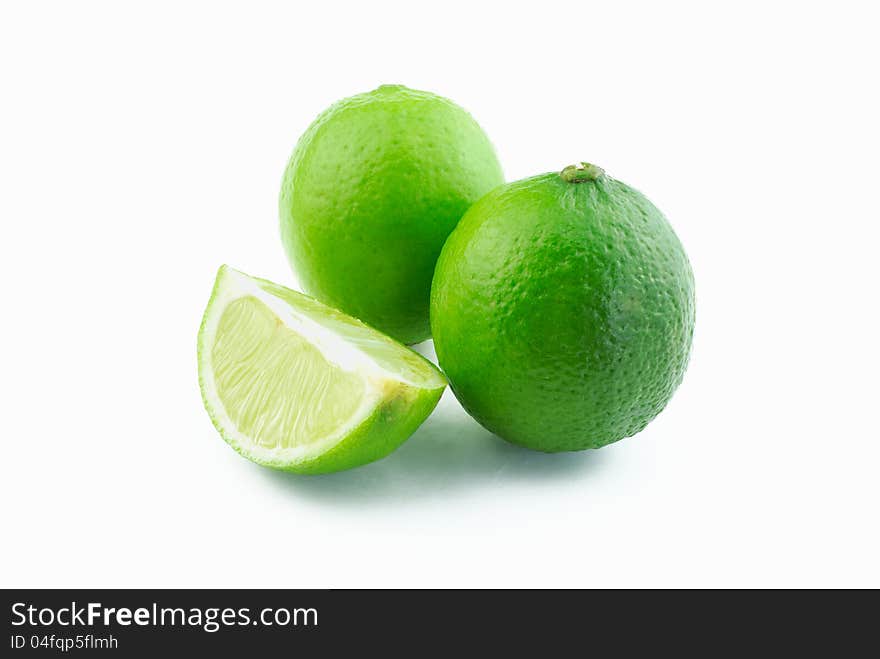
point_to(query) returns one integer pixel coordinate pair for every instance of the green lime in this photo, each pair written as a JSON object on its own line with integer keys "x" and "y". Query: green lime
{"x": 562, "y": 310}
{"x": 292, "y": 384}
{"x": 371, "y": 192}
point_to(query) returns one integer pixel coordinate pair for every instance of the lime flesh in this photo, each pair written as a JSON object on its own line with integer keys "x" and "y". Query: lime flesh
{"x": 296, "y": 385}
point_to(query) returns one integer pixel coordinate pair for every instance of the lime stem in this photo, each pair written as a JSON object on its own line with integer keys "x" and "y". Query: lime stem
{"x": 581, "y": 173}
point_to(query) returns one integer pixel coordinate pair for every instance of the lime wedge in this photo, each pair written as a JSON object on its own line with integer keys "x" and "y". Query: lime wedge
{"x": 293, "y": 384}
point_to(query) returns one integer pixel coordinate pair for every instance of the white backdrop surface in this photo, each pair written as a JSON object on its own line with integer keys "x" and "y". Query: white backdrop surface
{"x": 142, "y": 145}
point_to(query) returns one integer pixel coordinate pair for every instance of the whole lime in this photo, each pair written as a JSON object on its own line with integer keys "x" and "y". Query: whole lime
{"x": 562, "y": 310}
{"x": 371, "y": 192}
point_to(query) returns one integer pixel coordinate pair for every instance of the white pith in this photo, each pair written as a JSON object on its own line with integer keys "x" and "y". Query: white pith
{"x": 234, "y": 285}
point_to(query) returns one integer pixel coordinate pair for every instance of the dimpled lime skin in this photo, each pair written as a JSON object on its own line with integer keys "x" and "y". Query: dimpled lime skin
{"x": 373, "y": 189}
{"x": 562, "y": 312}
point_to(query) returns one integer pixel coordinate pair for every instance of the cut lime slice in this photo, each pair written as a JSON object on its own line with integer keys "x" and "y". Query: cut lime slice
{"x": 293, "y": 384}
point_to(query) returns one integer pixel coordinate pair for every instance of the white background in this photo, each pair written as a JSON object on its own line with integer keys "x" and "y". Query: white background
{"x": 142, "y": 145}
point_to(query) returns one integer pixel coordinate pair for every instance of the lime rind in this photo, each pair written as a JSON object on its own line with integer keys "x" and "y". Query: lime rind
{"x": 398, "y": 387}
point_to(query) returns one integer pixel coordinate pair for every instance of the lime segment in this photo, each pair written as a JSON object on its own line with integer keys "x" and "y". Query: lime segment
{"x": 296, "y": 385}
